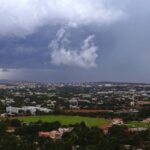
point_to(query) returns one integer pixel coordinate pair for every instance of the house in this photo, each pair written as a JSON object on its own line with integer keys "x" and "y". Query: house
{"x": 11, "y": 130}
{"x": 140, "y": 129}
{"x": 117, "y": 121}
{"x": 147, "y": 120}
{"x": 55, "y": 134}
{"x": 3, "y": 115}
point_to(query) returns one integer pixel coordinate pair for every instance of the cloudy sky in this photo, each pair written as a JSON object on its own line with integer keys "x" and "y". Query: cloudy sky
{"x": 75, "y": 40}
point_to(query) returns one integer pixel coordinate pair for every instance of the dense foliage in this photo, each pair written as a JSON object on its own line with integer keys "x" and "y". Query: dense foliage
{"x": 82, "y": 137}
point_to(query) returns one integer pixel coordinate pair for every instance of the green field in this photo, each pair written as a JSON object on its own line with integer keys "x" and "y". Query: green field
{"x": 136, "y": 124}
{"x": 66, "y": 120}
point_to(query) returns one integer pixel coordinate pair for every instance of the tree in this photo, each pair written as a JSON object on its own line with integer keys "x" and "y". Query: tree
{"x": 15, "y": 123}
{"x": 2, "y": 128}
{"x": 9, "y": 142}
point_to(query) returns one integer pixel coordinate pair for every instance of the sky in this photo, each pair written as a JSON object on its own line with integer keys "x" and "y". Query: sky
{"x": 75, "y": 40}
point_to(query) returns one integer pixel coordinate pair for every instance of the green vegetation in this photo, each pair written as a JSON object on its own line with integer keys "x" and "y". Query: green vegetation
{"x": 82, "y": 137}
{"x": 136, "y": 124}
{"x": 66, "y": 120}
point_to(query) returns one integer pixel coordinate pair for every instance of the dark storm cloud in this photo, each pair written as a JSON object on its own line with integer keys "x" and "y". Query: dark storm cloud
{"x": 23, "y": 17}
{"x": 122, "y": 38}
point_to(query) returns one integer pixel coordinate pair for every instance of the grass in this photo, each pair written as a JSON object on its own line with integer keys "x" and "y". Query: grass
{"x": 66, "y": 120}
{"x": 136, "y": 124}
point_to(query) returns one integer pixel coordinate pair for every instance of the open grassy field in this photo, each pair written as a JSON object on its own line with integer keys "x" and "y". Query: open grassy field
{"x": 66, "y": 120}
{"x": 136, "y": 124}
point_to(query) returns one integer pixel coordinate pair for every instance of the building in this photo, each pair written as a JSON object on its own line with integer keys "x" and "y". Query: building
{"x": 12, "y": 110}
{"x": 73, "y": 103}
{"x": 117, "y": 121}
{"x": 55, "y": 134}
{"x": 147, "y": 120}
{"x": 31, "y": 109}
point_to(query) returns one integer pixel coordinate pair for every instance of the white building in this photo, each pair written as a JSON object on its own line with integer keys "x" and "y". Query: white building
{"x": 73, "y": 103}
{"x": 12, "y": 110}
{"x": 31, "y": 109}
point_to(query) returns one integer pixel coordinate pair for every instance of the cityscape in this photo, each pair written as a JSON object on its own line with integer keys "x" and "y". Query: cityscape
{"x": 120, "y": 107}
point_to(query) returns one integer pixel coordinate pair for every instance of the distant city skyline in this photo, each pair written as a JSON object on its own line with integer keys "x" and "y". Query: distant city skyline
{"x": 75, "y": 40}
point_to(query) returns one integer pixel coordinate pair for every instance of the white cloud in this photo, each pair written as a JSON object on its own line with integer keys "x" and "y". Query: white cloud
{"x": 22, "y": 17}
{"x": 84, "y": 57}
